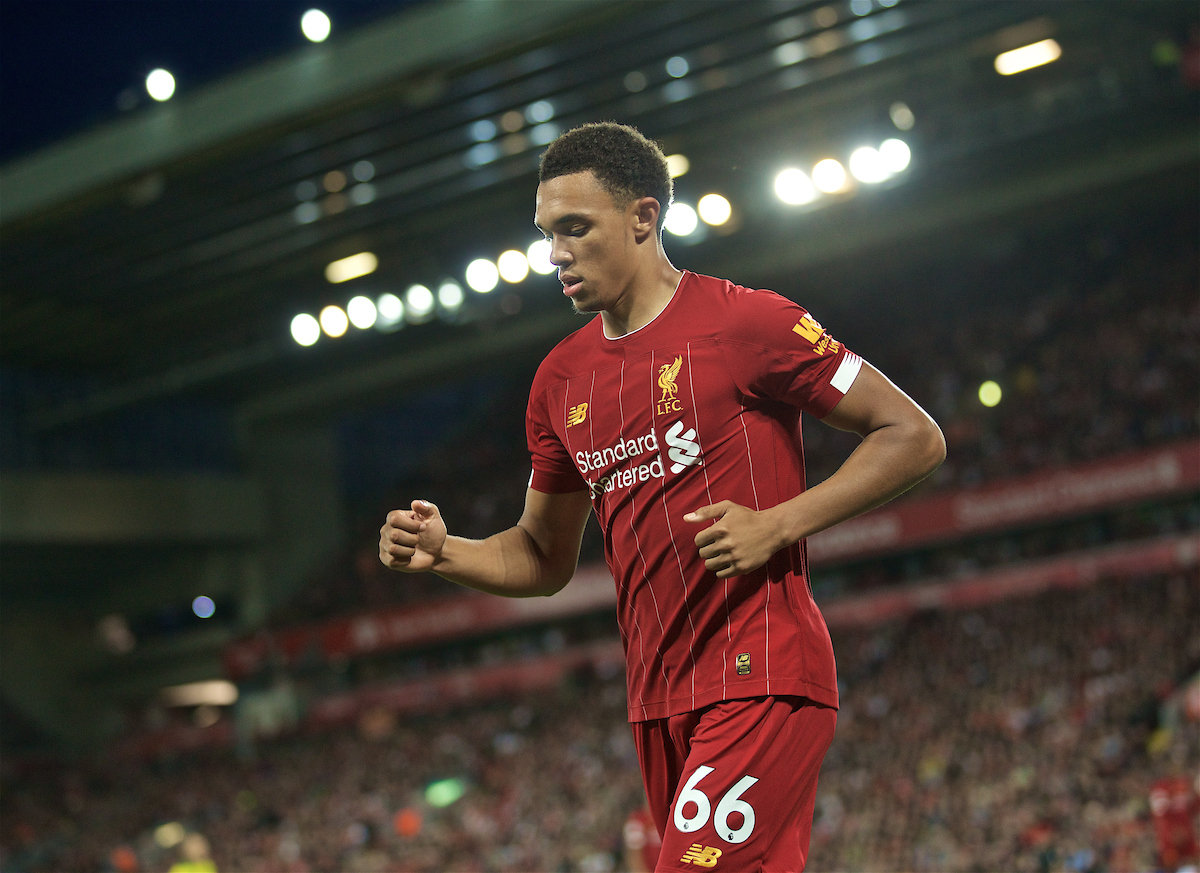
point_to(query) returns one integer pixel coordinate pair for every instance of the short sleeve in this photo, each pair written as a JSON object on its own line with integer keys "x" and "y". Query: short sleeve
{"x": 553, "y": 470}
{"x": 776, "y": 350}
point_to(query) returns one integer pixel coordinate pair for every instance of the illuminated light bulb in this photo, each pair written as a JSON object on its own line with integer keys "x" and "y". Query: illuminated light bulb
{"x": 418, "y": 302}
{"x": 536, "y": 113}
{"x": 895, "y": 154}
{"x": 1027, "y": 57}
{"x": 450, "y": 295}
{"x": 866, "y": 165}
{"x": 829, "y": 176}
{"x": 714, "y": 209}
{"x": 513, "y": 266}
{"x": 334, "y": 321}
{"x": 990, "y": 393}
{"x": 305, "y": 329}
{"x": 352, "y": 267}
{"x": 538, "y": 256}
{"x": 677, "y": 67}
{"x": 681, "y": 219}
{"x": 901, "y": 115}
{"x": 160, "y": 85}
{"x": 203, "y": 607}
{"x": 315, "y": 25}
{"x": 361, "y": 312}
{"x": 482, "y": 275}
{"x": 678, "y": 165}
{"x": 794, "y": 187}
{"x": 390, "y": 309}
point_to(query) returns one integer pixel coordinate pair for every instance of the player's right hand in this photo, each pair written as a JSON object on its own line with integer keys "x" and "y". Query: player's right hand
{"x": 411, "y": 540}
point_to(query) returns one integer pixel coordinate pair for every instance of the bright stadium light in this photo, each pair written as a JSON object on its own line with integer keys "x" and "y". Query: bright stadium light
{"x": 305, "y": 329}
{"x": 160, "y": 85}
{"x": 990, "y": 393}
{"x": 681, "y": 219}
{"x": 829, "y": 176}
{"x": 203, "y": 607}
{"x": 513, "y": 266}
{"x": 361, "y": 312}
{"x": 352, "y": 267}
{"x": 866, "y": 165}
{"x": 334, "y": 321}
{"x": 391, "y": 311}
{"x": 1027, "y": 57}
{"x": 895, "y": 154}
{"x": 794, "y": 187}
{"x": 418, "y": 302}
{"x": 538, "y": 256}
{"x": 678, "y": 165}
{"x": 315, "y": 25}
{"x": 482, "y": 275}
{"x": 450, "y": 295}
{"x": 714, "y": 209}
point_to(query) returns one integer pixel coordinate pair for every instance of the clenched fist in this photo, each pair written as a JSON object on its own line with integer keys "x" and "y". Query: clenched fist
{"x": 411, "y": 540}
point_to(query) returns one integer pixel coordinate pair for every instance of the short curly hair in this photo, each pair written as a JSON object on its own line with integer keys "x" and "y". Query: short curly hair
{"x": 627, "y": 164}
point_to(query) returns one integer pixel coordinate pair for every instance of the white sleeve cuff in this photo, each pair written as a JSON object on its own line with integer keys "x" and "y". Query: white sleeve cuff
{"x": 847, "y": 372}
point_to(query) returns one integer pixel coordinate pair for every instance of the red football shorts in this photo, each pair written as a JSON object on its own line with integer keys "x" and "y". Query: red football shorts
{"x": 732, "y": 786}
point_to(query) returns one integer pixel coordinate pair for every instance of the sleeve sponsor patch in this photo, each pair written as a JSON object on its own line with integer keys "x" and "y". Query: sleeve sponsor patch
{"x": 809, "y": 328}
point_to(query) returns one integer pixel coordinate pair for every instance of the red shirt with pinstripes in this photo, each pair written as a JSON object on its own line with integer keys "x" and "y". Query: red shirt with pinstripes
{"x": 700, "y": 405}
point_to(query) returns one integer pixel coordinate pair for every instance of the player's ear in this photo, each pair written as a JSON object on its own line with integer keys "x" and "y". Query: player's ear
{"x": 645, "y": 214}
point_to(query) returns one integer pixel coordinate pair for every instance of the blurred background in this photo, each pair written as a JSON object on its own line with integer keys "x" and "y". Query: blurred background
{"x": 267, "y": 272}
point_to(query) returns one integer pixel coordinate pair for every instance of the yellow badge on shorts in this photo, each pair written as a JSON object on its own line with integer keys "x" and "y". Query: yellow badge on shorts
{"x": 743, "y": 664}
{"x": 701, "y": 856}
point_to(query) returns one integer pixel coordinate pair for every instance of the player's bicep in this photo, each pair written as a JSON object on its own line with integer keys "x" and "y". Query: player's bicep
{"x": 555, "y": 523}
{"x": 873, "y": 402}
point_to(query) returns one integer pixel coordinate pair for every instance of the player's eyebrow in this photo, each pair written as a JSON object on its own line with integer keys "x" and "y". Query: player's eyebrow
{"x": 569, "y": 218}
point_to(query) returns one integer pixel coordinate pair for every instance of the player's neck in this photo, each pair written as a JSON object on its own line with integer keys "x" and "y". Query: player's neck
{"x": 647, "y": 296}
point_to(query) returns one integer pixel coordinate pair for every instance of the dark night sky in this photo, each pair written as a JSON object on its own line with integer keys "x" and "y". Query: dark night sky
{"x": 64, "y": 62}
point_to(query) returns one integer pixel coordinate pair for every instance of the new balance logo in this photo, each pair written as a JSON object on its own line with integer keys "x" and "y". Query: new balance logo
{"x": 684, "y": 450}
{"x": 701, "y": 856}
{"x": 577, "y": 415}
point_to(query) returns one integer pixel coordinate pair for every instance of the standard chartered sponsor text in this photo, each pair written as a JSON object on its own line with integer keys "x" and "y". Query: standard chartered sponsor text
{"x": 623, "y": 450}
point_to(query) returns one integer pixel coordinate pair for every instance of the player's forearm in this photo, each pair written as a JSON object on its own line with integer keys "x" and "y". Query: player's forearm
{"x": 509, "y": 564}
{"x": 887, "y": 463}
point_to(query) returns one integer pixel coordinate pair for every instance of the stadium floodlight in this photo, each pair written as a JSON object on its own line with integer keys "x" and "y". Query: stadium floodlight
{"x": 482, "y": 275}
{"x": 418, "y": 302}
{"x": 677, "y": 67}
{"x": 895, "y": 154}
{"x": 353, "y": 267}
{"x": 160, "y": 85}
{"x": 305, "y": 329}
{"x": 714, "y": 209}
{"x": 829, "y": 176}
{"x": 866, "y": 165}
{"x": 990, "y": 393}
{"x": 203, "y": 607}
{"x": 315, "y": 25}
{"x": 681, "y": 219}
{"x": 678, "y": 165}
{"x": 792, "y": 186}
{"x": 334, "y": 321}
{"x": 450, "y": 295}
{"x": 391, "y": 311}
{"x": 901, "y": 115}
{"x": 541, "y": 111}
{"x": 513, "y": 266}
{"x": 361, "y": 312}
{"x": 1027, "y": 57}
{"x": 538, "y": 255}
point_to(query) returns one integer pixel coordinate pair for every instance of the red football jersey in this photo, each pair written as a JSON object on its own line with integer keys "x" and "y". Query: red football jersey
{"x": 700, "y": 405}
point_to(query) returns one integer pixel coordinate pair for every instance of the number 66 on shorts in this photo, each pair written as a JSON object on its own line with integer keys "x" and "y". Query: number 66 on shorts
{"x": 729, "y": 804}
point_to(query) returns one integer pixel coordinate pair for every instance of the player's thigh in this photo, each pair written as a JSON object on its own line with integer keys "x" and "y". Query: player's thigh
{"x": 662, "y": 761}
{"x": 746, "y": 794}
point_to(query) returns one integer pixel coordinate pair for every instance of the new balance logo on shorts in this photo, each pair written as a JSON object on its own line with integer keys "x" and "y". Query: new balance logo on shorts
{"x": 701, "y": 856}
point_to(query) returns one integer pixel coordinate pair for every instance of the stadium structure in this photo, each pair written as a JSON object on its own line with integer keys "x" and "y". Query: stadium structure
{"x": 239, "y": 326}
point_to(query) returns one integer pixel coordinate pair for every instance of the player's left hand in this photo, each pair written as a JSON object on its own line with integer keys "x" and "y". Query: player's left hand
{"x": 739, "y": 541}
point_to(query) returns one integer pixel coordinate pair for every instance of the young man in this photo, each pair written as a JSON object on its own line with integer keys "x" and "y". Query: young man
{"x": 675, "y": 416}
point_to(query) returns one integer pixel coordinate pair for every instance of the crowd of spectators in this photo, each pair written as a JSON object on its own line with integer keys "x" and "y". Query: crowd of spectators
{"x": 1021, "y": 736}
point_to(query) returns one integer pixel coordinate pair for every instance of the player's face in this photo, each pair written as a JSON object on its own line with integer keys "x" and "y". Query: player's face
{"x": 593, "y": 240}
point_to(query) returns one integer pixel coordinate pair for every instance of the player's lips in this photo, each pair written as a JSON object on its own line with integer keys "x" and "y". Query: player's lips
{"x": 571, "y": 284}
